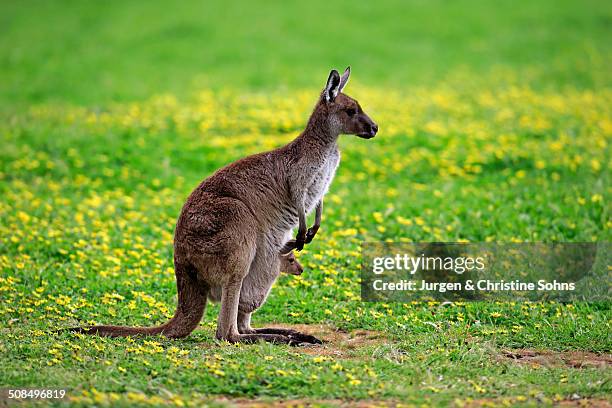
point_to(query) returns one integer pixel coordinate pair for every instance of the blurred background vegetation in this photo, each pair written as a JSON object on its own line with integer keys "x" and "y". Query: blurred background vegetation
{"x": 93, "y": 52}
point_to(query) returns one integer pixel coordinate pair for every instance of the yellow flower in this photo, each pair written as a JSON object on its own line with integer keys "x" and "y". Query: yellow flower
{"x": 403, "y": 221}
{"x": 23, "y": 217}
{"x": 378, "y": 217}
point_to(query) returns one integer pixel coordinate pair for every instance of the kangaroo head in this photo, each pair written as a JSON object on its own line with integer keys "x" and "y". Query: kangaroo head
{"x": 290, "y": 265}
{"x": 344, "y": 114}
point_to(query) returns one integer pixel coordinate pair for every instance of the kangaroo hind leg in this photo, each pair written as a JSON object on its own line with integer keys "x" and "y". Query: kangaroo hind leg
{"x": 255, "y": 288}
{"x": 227, "y": 327}
{"x": 227, "y": 324}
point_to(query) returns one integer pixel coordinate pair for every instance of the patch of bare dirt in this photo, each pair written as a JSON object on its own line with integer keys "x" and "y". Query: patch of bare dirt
{"x": 336, "y": 343}
{"x": 585, "y": 402}
{"x": 509, "y": 402}
{"x": 304, "y": 403}
{"x": 547, "y": 358}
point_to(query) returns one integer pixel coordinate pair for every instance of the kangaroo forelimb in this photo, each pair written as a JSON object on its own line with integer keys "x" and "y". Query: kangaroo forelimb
{"x": 300, "y": 238}
{"x": 312, "y": 231}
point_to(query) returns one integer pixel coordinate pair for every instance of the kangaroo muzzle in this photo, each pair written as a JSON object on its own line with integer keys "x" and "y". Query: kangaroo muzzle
{"x": 370, "y": 128}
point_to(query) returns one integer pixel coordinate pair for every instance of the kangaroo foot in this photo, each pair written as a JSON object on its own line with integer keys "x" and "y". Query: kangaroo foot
{"x": 268, "y": 337}
{"x": 293, "y": 334}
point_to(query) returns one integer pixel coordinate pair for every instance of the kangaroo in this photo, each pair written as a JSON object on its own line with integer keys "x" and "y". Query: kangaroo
{"x": 290, "y": 265}
{"x": 235, "y": 223}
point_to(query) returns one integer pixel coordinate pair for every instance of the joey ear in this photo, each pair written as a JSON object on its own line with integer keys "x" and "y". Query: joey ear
{"x": 344, "y": 78}
{"x": 287, "y": 248}
{"x": 332, "y": 86}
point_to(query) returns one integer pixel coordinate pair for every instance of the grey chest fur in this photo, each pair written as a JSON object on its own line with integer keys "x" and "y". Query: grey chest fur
{"x": 310, "y": 182}
{"x": 321, "y": 180}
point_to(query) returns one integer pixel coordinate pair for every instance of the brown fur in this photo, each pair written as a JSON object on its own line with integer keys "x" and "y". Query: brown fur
{"x": 235, "y": 223}
{"x": 290, "y": 265}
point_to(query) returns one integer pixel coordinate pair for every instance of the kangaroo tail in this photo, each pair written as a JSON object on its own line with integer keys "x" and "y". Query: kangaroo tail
{"x": 192, "y": 296}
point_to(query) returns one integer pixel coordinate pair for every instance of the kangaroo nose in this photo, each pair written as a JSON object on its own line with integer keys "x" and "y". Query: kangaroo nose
{"x": 374, "y": 127}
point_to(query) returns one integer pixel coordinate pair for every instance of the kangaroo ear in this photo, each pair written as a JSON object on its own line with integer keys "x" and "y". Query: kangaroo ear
{"x": 344, "y": 79}
{"x": 332, "y": 87}
{"x": 287, "y": 248}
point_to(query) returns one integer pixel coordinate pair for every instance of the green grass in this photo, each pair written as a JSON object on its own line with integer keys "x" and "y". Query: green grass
{"x": 94, "y": 52}
{"x": 495, "y": 126}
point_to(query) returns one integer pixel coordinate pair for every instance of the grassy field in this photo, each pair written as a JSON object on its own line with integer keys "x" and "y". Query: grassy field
{"x": 495, "y": 125}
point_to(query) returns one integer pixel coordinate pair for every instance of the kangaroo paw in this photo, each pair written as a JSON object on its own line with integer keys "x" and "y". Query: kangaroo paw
{"x": 310, "y": 234}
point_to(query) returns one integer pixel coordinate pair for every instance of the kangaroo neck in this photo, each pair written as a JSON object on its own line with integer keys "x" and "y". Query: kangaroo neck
{"x": 319, "y": 131}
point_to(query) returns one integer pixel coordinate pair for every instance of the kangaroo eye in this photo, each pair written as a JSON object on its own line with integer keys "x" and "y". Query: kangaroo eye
{"x": 351, "y": 112}
{"x": 291, "y": 261}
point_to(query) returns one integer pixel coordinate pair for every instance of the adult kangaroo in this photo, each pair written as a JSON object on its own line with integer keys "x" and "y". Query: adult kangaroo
{"x": 235, "y": 224}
